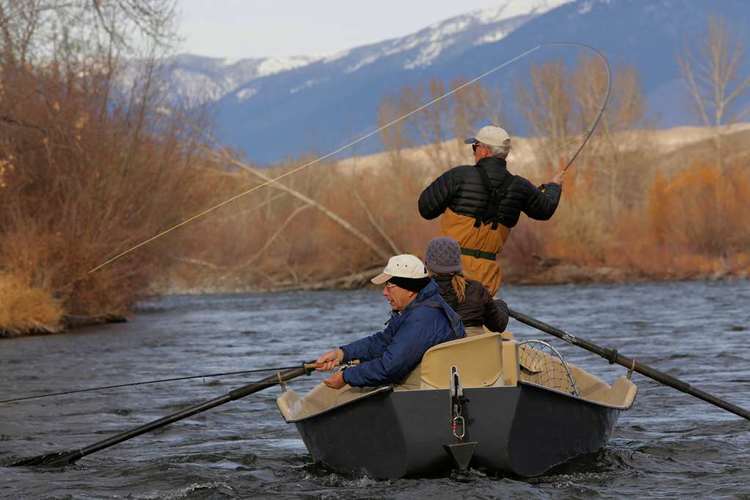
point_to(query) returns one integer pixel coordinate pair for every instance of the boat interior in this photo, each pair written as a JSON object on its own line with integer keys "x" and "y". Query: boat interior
{"x": 486, "y": 360}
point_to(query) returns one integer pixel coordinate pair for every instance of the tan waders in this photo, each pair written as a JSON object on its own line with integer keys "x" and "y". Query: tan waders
{"x": 480, "y": 247}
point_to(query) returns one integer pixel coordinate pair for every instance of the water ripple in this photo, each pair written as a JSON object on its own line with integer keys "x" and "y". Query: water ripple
{"x": 669, "y": 445}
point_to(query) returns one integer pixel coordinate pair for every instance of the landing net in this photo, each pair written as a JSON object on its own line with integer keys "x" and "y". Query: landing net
{"x": 541, "y": 364}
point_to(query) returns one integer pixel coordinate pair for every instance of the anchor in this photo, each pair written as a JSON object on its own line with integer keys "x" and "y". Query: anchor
{"x": 461, "y": 451}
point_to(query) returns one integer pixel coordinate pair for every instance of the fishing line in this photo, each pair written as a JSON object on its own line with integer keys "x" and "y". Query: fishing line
{"x": 377, "y": 131}
{"x": 146, "y": 382}
{"x": 605, "y": 101}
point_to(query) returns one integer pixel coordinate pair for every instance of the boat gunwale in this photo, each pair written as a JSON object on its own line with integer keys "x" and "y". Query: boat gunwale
{"x": 378, "y": 390}
{"x": 579, "y": 398}
{"x": 391, "y": 388}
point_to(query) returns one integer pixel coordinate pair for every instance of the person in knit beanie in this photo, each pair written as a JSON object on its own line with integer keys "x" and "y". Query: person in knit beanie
{"x": 469, "y": 298}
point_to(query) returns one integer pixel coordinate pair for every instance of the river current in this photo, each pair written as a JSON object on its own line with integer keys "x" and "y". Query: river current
{"x": 669, "y": 445}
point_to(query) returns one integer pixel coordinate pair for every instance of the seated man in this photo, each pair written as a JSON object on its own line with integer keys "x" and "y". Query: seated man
{"x": 420, "y": 320}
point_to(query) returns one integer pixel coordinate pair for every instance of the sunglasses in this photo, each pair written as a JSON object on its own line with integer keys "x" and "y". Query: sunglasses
{"x": 474, "y": 146}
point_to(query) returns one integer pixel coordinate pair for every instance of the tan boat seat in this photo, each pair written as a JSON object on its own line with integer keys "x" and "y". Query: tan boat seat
{"x": 479, "y": 359}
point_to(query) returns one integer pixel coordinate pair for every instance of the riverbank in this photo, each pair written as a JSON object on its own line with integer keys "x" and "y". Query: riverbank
{"x": 65, "y": 323}
{"x": 27, "y": 311}
{"x": 539, "y": 271}
{"x": 569, "y": 273}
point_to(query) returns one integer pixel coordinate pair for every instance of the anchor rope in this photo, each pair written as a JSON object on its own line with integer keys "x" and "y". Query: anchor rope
{"x": 380, "y": 129}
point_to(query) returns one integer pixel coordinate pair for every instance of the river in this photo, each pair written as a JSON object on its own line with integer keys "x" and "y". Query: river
{"x": 668, "y": 445}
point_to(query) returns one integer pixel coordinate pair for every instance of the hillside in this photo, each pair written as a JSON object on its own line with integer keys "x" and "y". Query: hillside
{"x": 318, "y": 103}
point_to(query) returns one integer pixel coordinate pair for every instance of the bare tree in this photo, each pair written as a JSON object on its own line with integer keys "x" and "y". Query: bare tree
{"x": 36, "y": 28}
{"x": 612, "y": 148}
{"x": 548, "y": 107}
{"x": 87, "y": 170}
{"x": 713, "y": 74}
{"x": 428, "y": 126}
{"x": 455, "y": 117}
{"x": 432, "y": 121}
{"x": 394, "y": 137}
{"x": 472, "y": 106}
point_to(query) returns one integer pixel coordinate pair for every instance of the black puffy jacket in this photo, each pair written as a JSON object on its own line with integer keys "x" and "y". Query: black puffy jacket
{"x": 461, "y": 189}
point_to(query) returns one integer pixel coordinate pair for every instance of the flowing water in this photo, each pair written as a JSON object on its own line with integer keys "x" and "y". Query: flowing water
{"x": 669, "y": 445}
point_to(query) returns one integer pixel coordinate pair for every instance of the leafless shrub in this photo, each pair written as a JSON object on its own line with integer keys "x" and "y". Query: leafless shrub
{"x": 713, "y": 73}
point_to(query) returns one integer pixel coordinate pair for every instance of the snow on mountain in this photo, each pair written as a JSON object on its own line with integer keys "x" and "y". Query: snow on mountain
{"x": 383, "y": 67}
{"x": 197, "y": 80}
{"x": 484, "y": 26}
{"x": 271, "y": 65}
{"x": 509, "y": 10}
{"x": 317, "y": 103}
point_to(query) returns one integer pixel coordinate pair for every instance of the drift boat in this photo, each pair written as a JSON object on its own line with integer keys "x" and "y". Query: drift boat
{"x": 486, "y": 401}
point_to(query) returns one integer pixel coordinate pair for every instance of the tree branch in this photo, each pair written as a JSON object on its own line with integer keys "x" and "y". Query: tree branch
{"x": 270, "y": 240}
{"x": 323, "y": 209}
{"x": 374, "y": 223}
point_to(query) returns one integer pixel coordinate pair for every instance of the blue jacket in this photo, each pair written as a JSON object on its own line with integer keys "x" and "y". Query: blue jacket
{"x": 389, "y": 356}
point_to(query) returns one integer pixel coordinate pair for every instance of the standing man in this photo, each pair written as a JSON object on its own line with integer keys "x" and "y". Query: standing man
{"x": 481, "y": 203}
{"x": 420, "y": 319}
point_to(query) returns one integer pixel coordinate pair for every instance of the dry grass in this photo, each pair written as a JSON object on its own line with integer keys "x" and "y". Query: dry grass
{"x": 84, "y": 178}
{"x": 25, "y": 309}
{"x": 619, "y": 215}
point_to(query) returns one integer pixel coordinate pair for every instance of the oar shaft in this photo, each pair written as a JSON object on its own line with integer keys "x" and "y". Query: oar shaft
{"x": 192, "y": 410}
{"x": 684, "y": 387}
{"x": 241, "y": 392}
{"x": 615, "y": 357}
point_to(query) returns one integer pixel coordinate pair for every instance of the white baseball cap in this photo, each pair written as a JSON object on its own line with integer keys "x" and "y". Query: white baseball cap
{"x": 401, "y": 266}
{"x": 492, "y": 136}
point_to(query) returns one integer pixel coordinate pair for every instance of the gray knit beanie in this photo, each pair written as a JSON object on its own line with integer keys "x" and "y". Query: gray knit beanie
{"x": 443, "y": 256}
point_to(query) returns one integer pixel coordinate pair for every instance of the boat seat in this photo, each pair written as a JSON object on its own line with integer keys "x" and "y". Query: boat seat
{"x": 482, "y": 361}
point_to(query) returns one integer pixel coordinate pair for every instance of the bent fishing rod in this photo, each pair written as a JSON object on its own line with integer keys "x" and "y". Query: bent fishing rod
{"x": 320, "y": 159}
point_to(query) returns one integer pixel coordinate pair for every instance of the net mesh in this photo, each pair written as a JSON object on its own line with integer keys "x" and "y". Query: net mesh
{"x": 542, "y": 364}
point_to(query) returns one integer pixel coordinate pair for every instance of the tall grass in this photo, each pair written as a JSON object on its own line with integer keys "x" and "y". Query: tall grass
{"x": 86, "y": 174}
{"x": 24, "y": 309}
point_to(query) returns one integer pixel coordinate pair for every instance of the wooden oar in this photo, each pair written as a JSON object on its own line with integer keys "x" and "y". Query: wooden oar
{"x": 62, "y": 458}
{"x": 613, "y": 356}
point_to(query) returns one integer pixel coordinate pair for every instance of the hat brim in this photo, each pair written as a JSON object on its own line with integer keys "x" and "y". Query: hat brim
{"x": 470, "y": 140}
{"x": 380, "y": 279}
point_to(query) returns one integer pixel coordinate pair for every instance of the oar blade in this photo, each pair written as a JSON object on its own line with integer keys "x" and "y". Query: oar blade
{"x": 63, "y": 458}
{"x": 56, "y": 459}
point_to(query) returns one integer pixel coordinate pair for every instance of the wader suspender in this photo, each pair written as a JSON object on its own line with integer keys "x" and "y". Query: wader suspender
{"x": 493, "y": 197}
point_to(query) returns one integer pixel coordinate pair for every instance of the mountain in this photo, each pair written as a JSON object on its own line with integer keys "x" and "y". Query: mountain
{"x": 271, "y": 111}
{"x": 197, "y": 80}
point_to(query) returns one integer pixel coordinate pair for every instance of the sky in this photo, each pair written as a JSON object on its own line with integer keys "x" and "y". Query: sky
{"x": 277, "y": 28}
